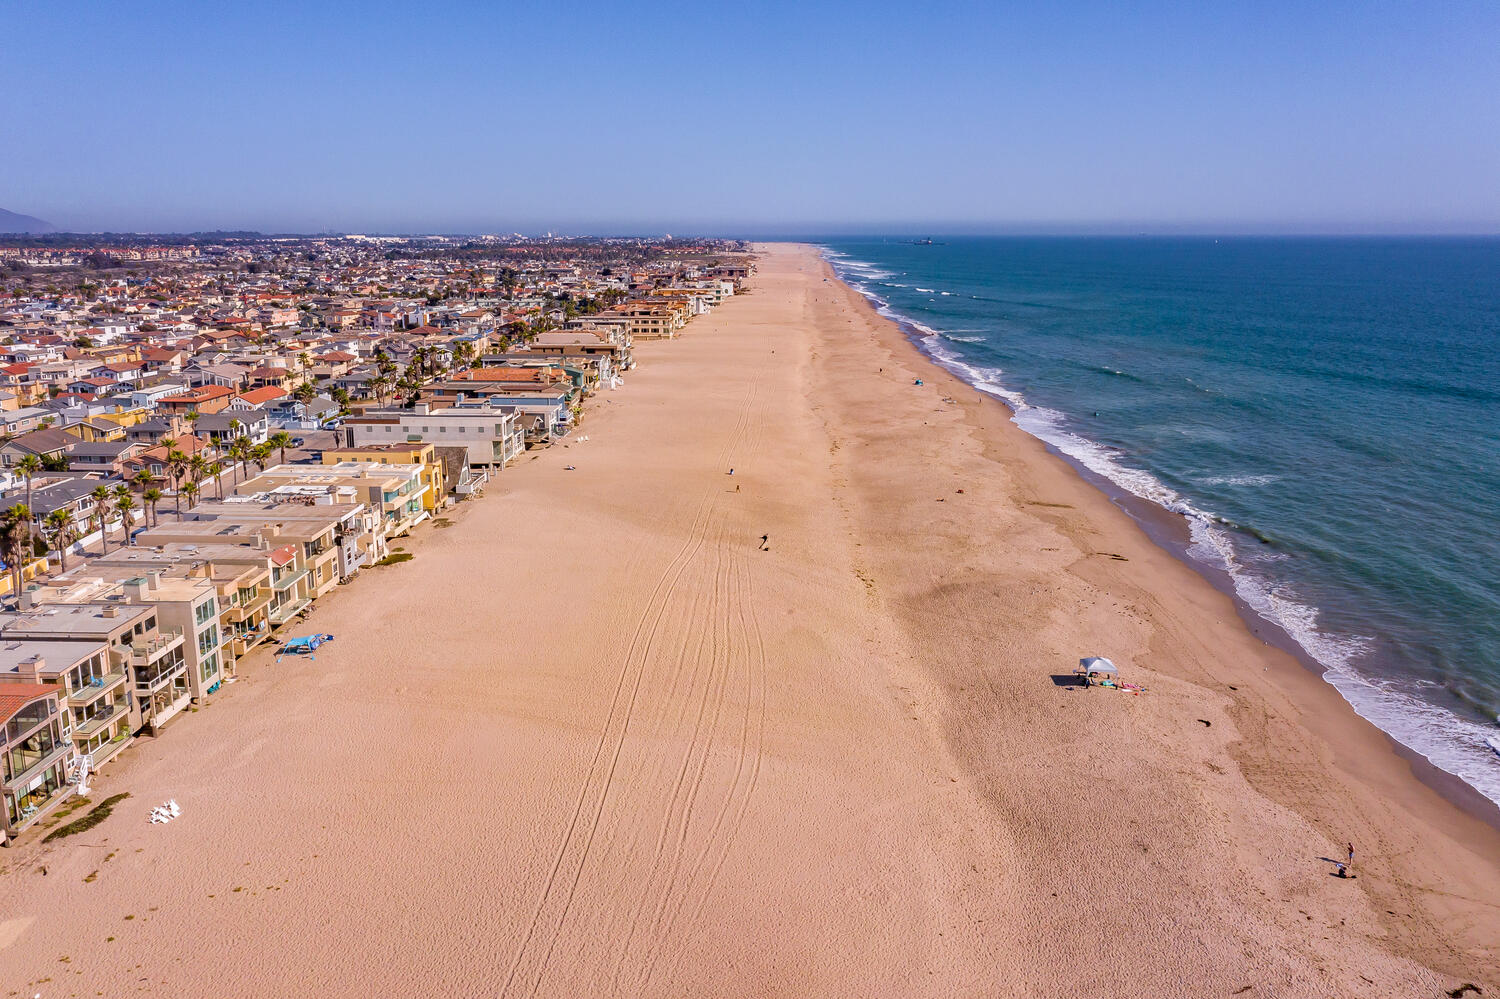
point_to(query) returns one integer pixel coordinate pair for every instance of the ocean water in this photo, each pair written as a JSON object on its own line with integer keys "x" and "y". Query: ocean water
{"x": 1325, "y": 413}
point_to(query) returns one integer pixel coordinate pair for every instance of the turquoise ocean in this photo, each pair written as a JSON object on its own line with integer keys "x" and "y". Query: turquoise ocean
{"x": 1323, "y": 412}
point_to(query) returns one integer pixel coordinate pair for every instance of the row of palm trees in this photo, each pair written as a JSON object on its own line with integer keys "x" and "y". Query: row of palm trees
{"x": 60, "y": 528}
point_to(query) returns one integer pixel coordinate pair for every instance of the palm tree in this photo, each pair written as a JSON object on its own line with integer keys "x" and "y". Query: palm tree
{"x": 217, "y": 471}
{"x": 281, "y": 440}
{"x": 101, "y": 496}
{"x": 190, "y": 490}
{"x": 28, "y": 467}
{"x": 305, "y": 394}
{"x": 193, "y": 416}
{"x": 261, "y": 453}
{"x": 143, "y": 479}
{"x": 60, "y": 524}
{"x": 153, "y": 496}
{"x": 124, "y": 504}
{"x": 15, "y": 537}
{"x": 241, "y": 450}
{"x": 198, "y": 466}
{"x": 176, "y": 465}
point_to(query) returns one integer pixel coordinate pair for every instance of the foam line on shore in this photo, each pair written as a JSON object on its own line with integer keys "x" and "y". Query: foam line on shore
{"x": 1450, "y": 742}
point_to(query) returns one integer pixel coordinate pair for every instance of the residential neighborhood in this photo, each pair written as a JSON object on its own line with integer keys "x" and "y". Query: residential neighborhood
{"x": 200, "y": 439}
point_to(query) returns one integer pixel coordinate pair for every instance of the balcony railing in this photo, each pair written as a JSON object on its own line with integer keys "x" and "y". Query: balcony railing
{"x": 243, "y": 611}
{"x": 55, "y": 755}
{"x": 96, "y": 688}
{"x": 94, "y": 725}
{"x": 284, "y": 613}
{"x": 145, "y": 652}
{"x": 150, "y": 682}
{"x": 288, "y": 581}
{"x": 243, "y": 641}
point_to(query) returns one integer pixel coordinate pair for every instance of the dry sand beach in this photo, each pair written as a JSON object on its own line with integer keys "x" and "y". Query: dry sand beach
{"x": 592, "y": 741}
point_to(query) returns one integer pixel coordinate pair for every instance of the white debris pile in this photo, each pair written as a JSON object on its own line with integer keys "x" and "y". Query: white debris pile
{"x": 166, "y": 812}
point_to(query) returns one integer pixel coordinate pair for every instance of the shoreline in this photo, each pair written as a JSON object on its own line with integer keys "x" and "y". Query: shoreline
{"x": 1368, "y": 762}
{"x": 1169, "y": 530}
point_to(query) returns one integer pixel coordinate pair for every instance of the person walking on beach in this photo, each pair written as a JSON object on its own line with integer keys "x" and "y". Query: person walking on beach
{"x": 1351, "y": 855}
{"x": 764, "y": 538}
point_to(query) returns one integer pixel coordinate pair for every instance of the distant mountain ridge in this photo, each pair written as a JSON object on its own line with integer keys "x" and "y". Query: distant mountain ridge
{"x": 11, "y": 222}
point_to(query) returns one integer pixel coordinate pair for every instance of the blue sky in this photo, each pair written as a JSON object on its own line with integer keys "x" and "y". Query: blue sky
{"x": 752, "y": 118}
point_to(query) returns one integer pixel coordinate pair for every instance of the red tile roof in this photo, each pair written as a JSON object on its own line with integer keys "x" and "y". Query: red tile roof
{"x": 261, "y": 395}
{"x": 15, "y": 696}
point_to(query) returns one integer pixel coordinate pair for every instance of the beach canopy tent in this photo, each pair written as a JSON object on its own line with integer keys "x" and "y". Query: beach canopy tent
{"x": 302, "y": 646}
{"x": 1097, "y": 669}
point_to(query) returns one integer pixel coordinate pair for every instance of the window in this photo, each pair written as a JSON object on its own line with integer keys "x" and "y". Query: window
{"x": 205, "y": 611}
{"x": 208, "y": 639}
{"x": 209, "y": 668}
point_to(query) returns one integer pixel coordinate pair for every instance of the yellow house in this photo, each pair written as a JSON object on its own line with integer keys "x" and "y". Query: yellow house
{"x": 415, "y": 453}
{"x": 97, "y": 428}
{"x": 126, "y": 417}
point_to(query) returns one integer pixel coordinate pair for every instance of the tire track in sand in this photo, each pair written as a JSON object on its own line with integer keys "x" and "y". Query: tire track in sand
{"x": 528, "y": 967}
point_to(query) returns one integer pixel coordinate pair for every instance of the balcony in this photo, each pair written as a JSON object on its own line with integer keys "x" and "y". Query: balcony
{"x": 150, "y": 680}
{"x": 284, "y": 613}
{"x": 106, "y": 752}
{"x": 288, "y": 581}
{"x": 243, "y": 641}
{"x": 96, "y": 688}
{"x": 245, "y": 611}
{"x": 100, "y": 721}
{"x": 59, "y": 752}
{"x": 147, "y": 651}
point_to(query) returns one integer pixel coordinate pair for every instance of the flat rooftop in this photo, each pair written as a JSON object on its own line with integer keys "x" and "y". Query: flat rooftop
{"x": 72, "y": 620}
{"x": 56, "y": 655}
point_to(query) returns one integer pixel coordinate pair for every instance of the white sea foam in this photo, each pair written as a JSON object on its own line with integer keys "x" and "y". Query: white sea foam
{"x": 926, "y": 291}
{"x": 1241, "y": 480}
{"x": 1450, "y": 742}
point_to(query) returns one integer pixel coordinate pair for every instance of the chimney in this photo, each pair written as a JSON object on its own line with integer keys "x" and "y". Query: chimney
{"x": 31, "y": 668}
{"x": 110, "y": 611}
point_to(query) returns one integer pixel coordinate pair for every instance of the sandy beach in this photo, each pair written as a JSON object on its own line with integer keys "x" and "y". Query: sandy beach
{"x": 592, "y": 740}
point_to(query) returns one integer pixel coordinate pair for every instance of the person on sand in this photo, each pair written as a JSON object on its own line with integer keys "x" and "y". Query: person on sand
{"x": 1351, "y": 854}
{"x": 764, "y": 540}
{"x": 1342, "y": 871}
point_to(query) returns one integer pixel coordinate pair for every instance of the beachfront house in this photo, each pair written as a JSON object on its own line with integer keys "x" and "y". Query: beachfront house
{"x": 36, "y": 756}
{"x": 94, "y": 692}
{"x": 152, "y": 656}
{"x": 396, "y": 493}
{"x": 493, "y": 436}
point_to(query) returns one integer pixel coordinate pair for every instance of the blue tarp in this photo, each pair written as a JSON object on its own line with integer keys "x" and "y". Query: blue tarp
{"x": 303, "y": 645}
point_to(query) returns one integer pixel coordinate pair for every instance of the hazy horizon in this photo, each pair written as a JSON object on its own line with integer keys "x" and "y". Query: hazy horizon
{"x": 460, "y": 118}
